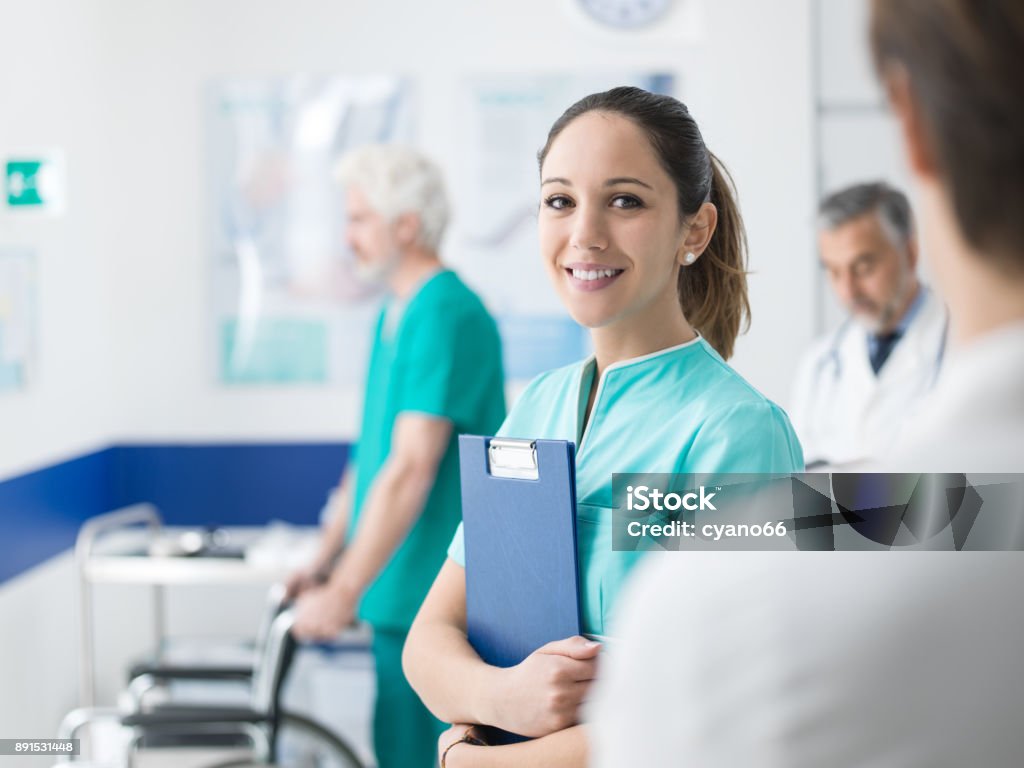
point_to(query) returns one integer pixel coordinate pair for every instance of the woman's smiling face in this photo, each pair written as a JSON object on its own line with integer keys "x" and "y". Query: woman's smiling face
{"x": 610, "y": 230}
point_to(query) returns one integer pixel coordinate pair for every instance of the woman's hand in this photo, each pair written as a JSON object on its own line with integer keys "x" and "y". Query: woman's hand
{"x": 542, "y": 694}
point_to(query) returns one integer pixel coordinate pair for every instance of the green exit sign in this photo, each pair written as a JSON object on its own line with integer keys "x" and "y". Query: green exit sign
{"x": 23, "y": 182}
{"x": 35, "y": 182}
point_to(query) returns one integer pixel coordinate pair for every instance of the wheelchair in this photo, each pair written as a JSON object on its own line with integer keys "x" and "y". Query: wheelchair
{"x": 260, "y": 733}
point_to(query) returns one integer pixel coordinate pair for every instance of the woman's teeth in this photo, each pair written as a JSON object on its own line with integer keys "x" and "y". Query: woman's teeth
{"x": 594, "y": 274}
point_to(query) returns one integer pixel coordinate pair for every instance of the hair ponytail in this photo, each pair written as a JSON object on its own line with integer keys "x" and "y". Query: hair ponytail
{"x": 713, "y": 290}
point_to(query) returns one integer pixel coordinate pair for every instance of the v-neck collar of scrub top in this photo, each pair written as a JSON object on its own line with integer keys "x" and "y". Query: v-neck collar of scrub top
{"x": 586, "y": 382}
{"x": 395, "y": 308}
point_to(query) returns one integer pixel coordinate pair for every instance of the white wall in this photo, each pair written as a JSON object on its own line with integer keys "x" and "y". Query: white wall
{"x": 752, "y": 96}
{"x": 50, "y": 82}
{"x": 38, "y": 653}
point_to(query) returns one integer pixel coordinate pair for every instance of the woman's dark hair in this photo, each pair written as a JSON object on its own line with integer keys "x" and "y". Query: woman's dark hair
{"x": 965, "y": 63}
{"x": 713, "y": 290}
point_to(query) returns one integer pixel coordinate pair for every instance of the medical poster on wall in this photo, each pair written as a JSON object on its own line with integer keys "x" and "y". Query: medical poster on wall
{"x": 17, "y": 317}
{"x": 504, "y": 122}
{"x": 288, "y": 308}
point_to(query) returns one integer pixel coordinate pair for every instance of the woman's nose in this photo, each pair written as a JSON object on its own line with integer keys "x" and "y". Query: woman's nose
{"x": 588, "y": 232}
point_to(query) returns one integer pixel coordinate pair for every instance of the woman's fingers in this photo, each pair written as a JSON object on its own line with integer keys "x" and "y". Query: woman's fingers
{"x": 575, "y": 647}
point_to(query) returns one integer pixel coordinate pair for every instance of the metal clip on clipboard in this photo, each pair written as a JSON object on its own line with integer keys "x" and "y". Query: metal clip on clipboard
{"x": 516, "y": 459}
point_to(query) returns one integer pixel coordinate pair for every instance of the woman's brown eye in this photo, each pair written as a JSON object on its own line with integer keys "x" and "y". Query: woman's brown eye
{"x": 557, "y": 202}
{"x": 627, "y": 201}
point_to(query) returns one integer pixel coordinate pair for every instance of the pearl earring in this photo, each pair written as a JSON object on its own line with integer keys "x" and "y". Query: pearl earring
{"x": 690, "y": 257}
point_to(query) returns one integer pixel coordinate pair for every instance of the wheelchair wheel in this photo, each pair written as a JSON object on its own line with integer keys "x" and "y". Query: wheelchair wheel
{"x": 303, "y": 743}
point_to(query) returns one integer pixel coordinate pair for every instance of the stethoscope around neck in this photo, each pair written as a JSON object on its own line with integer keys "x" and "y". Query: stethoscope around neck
{"x": 833, "y": 360}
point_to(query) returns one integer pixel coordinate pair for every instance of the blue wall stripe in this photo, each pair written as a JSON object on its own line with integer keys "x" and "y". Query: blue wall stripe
{"x": 40, "y": 512}
{"x": 230, "y": 484}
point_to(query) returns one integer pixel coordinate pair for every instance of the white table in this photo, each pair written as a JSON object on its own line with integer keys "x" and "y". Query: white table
{"x": 110, "y": 548}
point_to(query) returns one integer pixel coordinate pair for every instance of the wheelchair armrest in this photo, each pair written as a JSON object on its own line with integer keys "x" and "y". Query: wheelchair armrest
{"x": 172, "y": 717}
{"x": 162, "y": 672}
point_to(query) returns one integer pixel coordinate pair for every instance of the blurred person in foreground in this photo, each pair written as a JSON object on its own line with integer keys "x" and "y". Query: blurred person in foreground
{"x": 435, "y": 371}
{"x": 895, "y": 659}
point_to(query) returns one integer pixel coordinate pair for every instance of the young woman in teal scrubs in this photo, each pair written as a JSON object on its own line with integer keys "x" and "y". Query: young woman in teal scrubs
{"x": 644, "y": 244}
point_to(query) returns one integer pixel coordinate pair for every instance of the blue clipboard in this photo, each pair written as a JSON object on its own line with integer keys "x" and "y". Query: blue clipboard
{"x": 519, "y": 523}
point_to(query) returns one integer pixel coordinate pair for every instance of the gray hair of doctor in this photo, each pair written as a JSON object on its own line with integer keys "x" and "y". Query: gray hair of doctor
{"x": 397, "y": 180}
{"x": 889, "y": 204}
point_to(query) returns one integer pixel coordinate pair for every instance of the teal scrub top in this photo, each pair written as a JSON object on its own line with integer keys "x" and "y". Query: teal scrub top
{"x": 679, "y": 410}
{"x": 440, "y": 356}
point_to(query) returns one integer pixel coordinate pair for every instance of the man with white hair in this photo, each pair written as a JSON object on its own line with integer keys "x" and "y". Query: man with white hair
{"x": 856, "y": 386}
{"x": 435, "y": 371}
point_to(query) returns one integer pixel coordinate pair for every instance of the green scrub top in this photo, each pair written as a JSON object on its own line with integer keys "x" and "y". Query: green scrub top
{"x": 441, "y": 356}
{"x": 679, "y": 410}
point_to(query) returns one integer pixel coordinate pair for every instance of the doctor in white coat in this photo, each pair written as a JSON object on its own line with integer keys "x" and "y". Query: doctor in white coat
{"x": 857, "y": 386}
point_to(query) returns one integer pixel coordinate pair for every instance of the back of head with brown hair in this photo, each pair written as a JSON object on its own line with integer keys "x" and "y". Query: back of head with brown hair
{"x": 965, "y": 63}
